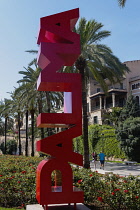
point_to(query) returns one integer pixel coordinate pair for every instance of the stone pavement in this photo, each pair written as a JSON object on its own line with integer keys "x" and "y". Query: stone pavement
{"x": 117, "y": 168}
{"x": 79, "y": 206}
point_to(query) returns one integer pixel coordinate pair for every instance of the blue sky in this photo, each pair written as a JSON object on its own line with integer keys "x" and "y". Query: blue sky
{"x": 19, "y": 23}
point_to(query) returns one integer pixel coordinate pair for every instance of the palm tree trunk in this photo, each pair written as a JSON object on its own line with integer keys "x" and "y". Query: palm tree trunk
{"x": 26, "y": 146}
{"x": 48, "y": 110}
{"x": 85, "y": 123}
{"x": 48, "y": 101}
{"x": 40, "y": 111}
{"x": 32, "y": 122}
{"x": 80, "y": 65}
{"x": 19, "y": 139}
{"x": 5, "y": 131}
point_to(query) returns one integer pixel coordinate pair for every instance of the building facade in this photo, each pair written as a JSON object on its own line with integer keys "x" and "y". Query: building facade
{"x": 99, "y": 103}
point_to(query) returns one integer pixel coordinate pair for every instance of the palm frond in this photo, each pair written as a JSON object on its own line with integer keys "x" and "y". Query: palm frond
{"x": 122, "y": 3}
{"x": 33, "y": 62}
{"x": 32, "y": 51}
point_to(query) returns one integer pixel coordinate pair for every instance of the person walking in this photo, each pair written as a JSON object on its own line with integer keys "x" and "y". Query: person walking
{"x": 94, "y": 159}
{"x": 102, "y": 159}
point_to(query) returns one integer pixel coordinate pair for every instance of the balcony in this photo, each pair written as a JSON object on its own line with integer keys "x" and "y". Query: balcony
{"x": 108, "y": 106}
{"x": 111, "y": 90}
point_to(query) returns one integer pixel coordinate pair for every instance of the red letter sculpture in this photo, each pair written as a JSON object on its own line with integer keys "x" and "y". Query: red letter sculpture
{"x": 59, "y": 47}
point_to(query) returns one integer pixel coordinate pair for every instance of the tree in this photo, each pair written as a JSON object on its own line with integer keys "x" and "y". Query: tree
{"x": 96, "y": 61}
{"x": 29, "y": 97}
{"x": 17, "y": 109}
{"x": 35, "y": 101}
{"x": 11, "y": 147}
{"x": 118, "y": 114}
{"x": 112, "y": 117}
{"x": 94, "y": 136}
{"x": 128, "y": 134}
{"x": 122, "y": 3}
{"x": 5, "y": 111}
{"x": 1, "y": 127}
{"x": 127, "y": 130}
{"x": 18, "y": 94}
{"x": 131, "y": 109}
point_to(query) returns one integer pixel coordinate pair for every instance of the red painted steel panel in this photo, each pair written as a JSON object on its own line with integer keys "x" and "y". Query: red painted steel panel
{"x": 59, "y": 46}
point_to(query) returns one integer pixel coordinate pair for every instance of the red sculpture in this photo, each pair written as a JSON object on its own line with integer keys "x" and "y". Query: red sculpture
{"x": 59, "y": 46}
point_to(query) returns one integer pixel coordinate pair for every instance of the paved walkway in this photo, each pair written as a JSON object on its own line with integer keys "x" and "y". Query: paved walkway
{"x": 79, "y": 206}
{"x": 117, "y": 168}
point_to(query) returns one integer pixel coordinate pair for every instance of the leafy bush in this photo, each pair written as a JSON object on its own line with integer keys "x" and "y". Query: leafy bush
{"x": 110, "y": 191}
{"x": 17, "y": 180}
{"x": 78, "y": 145}
{"x": 17, "y": 185}
{"x": 101, "y": 137}
{"x": 109, "y": 144}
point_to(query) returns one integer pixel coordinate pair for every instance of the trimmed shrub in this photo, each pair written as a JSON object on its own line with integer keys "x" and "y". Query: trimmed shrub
{"x": 101, "y": 137}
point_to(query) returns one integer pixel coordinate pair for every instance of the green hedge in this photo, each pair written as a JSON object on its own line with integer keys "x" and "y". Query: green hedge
{"x": 101, "y": 137}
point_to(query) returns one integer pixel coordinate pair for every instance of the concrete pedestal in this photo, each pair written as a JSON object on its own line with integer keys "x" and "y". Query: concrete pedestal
{"x": 79, "y": 206}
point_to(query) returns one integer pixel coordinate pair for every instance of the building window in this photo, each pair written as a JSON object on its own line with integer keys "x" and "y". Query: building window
{"x": 95, "y": 119}
{"x": 98, "y": 90}
{"x": 137, "y": 99}
{"x": 121, "y": 85}
{"x": 133, "y": 87}
{"x": 136, "y": 86}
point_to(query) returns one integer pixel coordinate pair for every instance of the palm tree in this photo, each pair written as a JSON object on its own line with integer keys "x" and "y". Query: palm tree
{"x": 96, "y": 61}
{"x": 35, "y": 100}
{"x": 5, "y": 111}
{"x": 17, "y": 111}
{"x": 1, "y": 126}
{"x": 122, "y": 3}
{"x": 18, "y": 93}
{"x": 28, "y": 96}
{"x": 26, "y": 144}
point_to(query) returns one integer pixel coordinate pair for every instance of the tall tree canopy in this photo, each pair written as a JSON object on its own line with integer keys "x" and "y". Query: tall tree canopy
{"x": 96, "y": 61}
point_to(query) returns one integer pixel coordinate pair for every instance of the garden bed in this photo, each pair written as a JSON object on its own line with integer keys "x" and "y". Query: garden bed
{"x": 110, "y": 191}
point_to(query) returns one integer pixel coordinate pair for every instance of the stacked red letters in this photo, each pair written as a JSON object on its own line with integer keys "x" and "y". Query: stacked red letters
{"x": 59, "y": 46}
